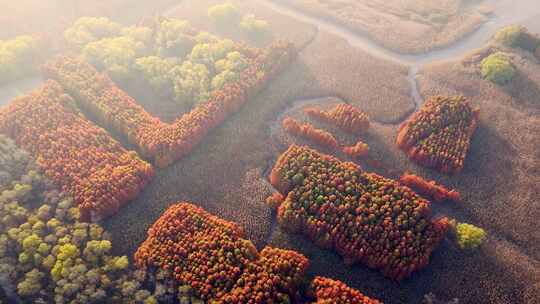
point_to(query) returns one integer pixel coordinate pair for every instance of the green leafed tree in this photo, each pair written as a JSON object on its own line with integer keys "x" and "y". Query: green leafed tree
{"x": 469, "y": 236}
{"x": 157, "y": 71}
{"x": 173, "y": 38}
{"x": 191, "y": 83}
{"x": 497, "y": 68}
{"x": 229, "y": 69}
{"x": 116, "y": 55}
{"x": 209, "y": 53}
{"x": 253, "y": 26}
{"x": 18, "y": 57}
{"x": 89, "y": 29}
{"x": 517, "y": 36}
{"x": 140, "y": 34}
{"x": 225, "y": 14}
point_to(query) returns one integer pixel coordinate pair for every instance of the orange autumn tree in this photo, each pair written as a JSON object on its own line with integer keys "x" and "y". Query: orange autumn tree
{"x": 436, "y": 192}
{"x": 309, "y": 132}
{"x": 212, "y": 256}
{"x": 81, "y": 158}
{"x": 439, "y": 134}
{"x": 345, "y": 116}
{"x": 333, "y": 291}
{"x": 365, "y": 217}
{"x": 162, "y": 142}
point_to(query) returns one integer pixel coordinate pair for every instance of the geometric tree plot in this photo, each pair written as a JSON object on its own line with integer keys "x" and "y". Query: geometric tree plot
{"x": 81, "y": 158}
{"x": 439, "y": 134}
{"x": 162, "y": 142}
{"x": 365, "y": 217}
{"x": 212, "y": 256}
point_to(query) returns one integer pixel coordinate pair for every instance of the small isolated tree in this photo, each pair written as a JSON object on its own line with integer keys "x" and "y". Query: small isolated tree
{"x": 469, "y": 236}
{"x": 517, "y": 36}
{"x": 497, "y": 68}
{"x": 224, "y": 14}
{"x": 253, "y": 26}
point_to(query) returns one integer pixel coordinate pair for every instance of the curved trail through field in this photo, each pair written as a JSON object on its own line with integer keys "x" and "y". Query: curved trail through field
{"x": 505, "y": 12}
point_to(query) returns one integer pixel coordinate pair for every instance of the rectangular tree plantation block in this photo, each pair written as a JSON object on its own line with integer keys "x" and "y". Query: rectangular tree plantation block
{"x": 439, "y": 134}
{"x": 211, "y": 255}
{"x": 81, "y": 158}
{"x": 162, "y": 142}
{"x": 365, "y": 217}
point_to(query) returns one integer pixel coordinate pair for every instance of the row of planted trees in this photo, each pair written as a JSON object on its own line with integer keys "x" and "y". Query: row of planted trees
{"x": 162, "y": 142}
{"x": 81, "y": 158}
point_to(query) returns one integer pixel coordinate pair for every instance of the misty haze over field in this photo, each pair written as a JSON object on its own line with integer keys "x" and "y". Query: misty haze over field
{"x": 270, "y": 151}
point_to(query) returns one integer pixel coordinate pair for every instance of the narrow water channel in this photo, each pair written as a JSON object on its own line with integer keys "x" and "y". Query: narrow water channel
{"x": 505, "y": 12}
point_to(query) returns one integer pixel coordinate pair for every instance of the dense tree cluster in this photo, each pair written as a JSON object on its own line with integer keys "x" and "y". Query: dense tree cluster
{"x": 82, "y": 159}
{"x": 364, "y": 217}
{"x": 177, "y": 62}
{"x": 165, "y": 143}
{"x": 346, "y": 117}
{"x": 439, "y": 134}
{"x": 47, "y": 255}
{"x": 19, "y": 57}
{"x": 497, "y": 68}
{"x": 212, "y": 256}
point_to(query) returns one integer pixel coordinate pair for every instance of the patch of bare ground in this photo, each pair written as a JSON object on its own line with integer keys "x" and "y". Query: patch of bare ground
{"x": 407, "y": 26}
{"x": 377, "y": 86}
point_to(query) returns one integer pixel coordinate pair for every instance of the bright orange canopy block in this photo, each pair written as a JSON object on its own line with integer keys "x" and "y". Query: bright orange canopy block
{"x": 345, "y": 116}
{"x": 211, "y": 255}
{"x": 162, "y": 142}
{"x": 336, "y": 292}
{"x": 439, "y": 134}
{"x": 365, "y": 217}
{"x": 81, "y": 158}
